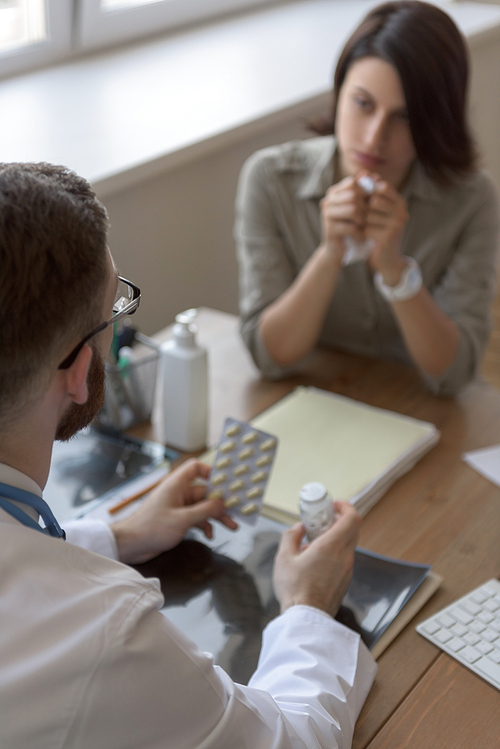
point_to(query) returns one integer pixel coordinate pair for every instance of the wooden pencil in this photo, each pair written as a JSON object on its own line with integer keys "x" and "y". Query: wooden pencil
{"x": 128, "y": 500}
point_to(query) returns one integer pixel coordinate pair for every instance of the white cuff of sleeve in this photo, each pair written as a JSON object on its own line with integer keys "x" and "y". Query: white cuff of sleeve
{"x": 93, "y": 535}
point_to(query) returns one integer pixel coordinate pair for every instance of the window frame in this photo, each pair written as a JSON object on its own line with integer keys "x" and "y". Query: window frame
{"x": 97, "y": 29}
{"x": 57, "y": 45}
{"x": 76, "y": 26}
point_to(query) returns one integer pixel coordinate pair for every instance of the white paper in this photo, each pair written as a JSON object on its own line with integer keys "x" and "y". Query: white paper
{"x": 356, "y": 252}
{"x": 486, "y": 461}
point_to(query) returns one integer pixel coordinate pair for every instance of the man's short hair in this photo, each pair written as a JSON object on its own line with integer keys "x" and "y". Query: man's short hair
{"x": 53, "y": 274}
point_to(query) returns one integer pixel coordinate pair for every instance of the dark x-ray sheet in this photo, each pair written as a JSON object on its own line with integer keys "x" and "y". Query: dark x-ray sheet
{"x": 91, "y": 466}
{"x": 379, "y": 589}
{"x": 219, "y": 592}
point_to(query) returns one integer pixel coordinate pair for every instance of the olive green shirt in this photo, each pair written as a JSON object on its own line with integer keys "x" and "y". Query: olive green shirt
{"x": 452, "y": 232}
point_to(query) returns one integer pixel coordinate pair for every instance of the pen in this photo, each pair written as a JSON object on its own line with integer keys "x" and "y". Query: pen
{"x": 127, "y": 501}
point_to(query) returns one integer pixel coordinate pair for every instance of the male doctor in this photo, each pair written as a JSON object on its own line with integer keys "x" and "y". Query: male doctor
{"x": 86, "y": 659}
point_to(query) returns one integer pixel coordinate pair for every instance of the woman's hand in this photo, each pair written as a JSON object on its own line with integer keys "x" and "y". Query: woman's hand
{"x": 161, "y": 522}
{"x": 386, "y": 219}
{"x": 344, "y": 212}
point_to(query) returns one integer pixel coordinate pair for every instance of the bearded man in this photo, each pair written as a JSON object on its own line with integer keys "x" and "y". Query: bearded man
{"x": 86, "y": 659}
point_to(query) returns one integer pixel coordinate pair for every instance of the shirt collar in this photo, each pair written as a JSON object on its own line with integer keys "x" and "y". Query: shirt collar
{"x": 322, "y": 174}
{"x": 13, "y": 477}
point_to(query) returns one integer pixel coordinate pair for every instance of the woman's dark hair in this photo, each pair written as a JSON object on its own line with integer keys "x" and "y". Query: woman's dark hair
{"x": 429, "y": 53}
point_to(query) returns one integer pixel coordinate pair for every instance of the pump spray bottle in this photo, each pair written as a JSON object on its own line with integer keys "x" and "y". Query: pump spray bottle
{"x": 180, "y": 412}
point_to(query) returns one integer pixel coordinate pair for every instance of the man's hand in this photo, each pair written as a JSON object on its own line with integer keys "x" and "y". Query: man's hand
{"x": 319, "y": 573}
{"x": 162, "y": 521}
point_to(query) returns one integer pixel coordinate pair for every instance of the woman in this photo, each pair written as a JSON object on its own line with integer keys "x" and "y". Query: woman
{"x": 426, "y": 218}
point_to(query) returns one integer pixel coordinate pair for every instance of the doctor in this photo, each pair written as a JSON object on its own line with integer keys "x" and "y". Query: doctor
{"x": 86, "y": 659}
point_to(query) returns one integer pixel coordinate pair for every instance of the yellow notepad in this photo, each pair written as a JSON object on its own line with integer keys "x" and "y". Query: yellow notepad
{"x": 356, "y": 450}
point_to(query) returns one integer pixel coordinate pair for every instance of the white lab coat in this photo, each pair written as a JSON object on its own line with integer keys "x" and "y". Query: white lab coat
{"x": 87, "y": 660}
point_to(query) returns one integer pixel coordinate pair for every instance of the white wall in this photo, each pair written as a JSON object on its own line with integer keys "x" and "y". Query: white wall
{"x": 172, "y": 235}
{"x": 485, "y": 100}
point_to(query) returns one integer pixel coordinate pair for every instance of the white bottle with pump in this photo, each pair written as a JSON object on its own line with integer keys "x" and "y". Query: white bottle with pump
{"x": 180, "y": 412}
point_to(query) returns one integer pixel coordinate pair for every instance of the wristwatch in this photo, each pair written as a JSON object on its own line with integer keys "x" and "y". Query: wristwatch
{"x": 409, "y": 284}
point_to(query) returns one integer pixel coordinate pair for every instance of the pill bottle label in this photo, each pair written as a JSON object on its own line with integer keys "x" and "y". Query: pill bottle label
{"x": 316, "y": 509}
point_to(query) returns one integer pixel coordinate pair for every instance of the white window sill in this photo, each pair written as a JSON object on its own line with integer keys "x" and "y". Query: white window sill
{"x": 123, "y": 116}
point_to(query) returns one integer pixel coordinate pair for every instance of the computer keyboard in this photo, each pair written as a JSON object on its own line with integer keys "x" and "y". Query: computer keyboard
{"x": 469, "y": 630}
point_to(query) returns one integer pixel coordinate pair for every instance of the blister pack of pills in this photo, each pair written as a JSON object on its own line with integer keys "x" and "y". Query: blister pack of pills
{"x": 241, "y": 469}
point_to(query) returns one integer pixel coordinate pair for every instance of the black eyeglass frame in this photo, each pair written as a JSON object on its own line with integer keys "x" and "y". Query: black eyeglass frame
{"x": 128, "y": 309}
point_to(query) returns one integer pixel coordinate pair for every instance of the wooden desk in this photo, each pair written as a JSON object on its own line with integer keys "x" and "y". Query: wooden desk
{"x": 442, "y": 513}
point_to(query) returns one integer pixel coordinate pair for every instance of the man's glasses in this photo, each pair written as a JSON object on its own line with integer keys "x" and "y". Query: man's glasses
{"x": 127, "y": 299}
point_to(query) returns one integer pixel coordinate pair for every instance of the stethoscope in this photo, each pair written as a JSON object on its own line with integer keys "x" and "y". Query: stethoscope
{"x": 8, "y": 493}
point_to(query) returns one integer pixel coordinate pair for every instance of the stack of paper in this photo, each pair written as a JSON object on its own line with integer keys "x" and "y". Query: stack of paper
{"x": 356, "y": 451}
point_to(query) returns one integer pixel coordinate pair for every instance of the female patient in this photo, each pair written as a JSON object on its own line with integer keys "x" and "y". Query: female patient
{"x": 400, "y": 265}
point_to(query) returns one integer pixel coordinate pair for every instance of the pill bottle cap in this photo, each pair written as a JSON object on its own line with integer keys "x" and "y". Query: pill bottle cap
{"x": 184, "y": 328}
{"x": 312, "y": 492}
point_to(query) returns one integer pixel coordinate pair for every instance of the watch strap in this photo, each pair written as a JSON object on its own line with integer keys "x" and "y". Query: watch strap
{"x": 408, "y": 285}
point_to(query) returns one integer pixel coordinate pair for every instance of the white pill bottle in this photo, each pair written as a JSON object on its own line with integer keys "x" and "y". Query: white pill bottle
{"x": 180, "y": 413}
{"x": 316, "y": 509}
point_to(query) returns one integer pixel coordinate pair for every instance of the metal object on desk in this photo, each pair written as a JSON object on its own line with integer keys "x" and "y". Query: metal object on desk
{"x": 130, "y": 389}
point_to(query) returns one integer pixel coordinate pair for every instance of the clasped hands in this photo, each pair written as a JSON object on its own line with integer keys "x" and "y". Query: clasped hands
{"x": 315, "y": 574}
{"x": 347, "y": 210}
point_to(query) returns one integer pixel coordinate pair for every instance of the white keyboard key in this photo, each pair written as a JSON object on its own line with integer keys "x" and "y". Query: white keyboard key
{"x": 471, "y": 607}
{"x": 470, "y": 655}
{"x": 476, "y": 626}
{"x": 489, "y": 635}
{"x": 484, "y": 647}
{"x": 457, "y": 644}
{"x": 485, "y": 617}
{"x": 491, "y": 605}
{"x": 495, "y": 625}
{"x": 479, "y": 597}
{"x": 445, "y": 621}
{"x": 495, "y": 655}
{"x": 472, "y": 639}
{"x": 443, "y": 636}
{"x": 490, "y": 669}
{"x": 491, "y": 588}
{"x": 431, "y": 628}
{"x": 458, "y": 629}
{"x": 460, "y": 615}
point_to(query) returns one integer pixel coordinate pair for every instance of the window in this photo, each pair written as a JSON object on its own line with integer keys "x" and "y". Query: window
{"x": 22, "y": 22}
{"x": 37, "y": 32}
{"x": 104, "y": 22}
{"x": 33, "y": 33}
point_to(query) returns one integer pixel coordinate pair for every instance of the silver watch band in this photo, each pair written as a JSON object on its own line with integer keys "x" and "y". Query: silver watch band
{"x": 409, "y": 284}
